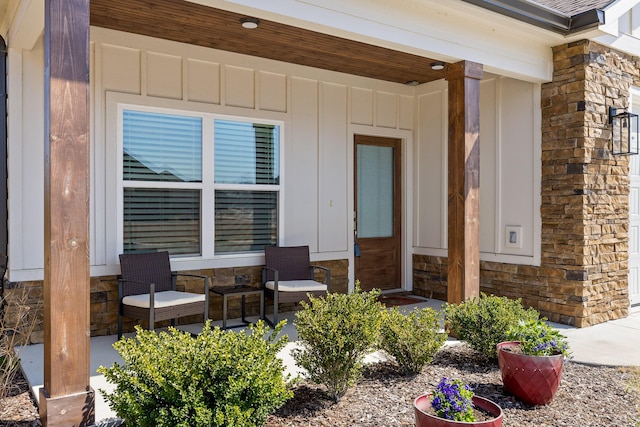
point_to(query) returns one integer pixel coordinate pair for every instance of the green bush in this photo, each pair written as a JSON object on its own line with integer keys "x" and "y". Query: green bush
{"x": 335, "y": 333}
{"x": 483, "y": 322}
{"x": 219, "y": 378}
{"x": 411, "y": 338}
{"x": 17, "y": 321}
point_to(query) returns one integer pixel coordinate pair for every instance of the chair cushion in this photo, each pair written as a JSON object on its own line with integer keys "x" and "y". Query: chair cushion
{"x": 297, "y": 286}
{"x": 163, "y": 299}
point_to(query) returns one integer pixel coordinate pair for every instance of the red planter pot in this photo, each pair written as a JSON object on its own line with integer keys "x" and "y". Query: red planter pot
{"x": 423, "y": 419}
{"x": 532, "y": 379}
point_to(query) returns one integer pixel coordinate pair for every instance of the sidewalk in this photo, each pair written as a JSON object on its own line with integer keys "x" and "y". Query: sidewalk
{"x": 615, "y": 343}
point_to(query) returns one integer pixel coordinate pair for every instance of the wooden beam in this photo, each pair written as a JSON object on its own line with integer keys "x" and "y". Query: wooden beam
{"x": 67, "y": 398}
{"x": 464, "y": 181}
{"x": 202, "y": 25}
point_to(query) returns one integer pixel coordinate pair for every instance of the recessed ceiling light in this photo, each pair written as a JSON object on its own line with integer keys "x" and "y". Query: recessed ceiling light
{"x": 437, "y": 66}
{"x": 249, "y": 23}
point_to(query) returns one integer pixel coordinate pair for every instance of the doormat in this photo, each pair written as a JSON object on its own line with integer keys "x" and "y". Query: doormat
{"x": 396, "y": 300}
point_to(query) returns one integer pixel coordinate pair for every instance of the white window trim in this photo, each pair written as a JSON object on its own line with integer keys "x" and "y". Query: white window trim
{"x": 116, "y": 104}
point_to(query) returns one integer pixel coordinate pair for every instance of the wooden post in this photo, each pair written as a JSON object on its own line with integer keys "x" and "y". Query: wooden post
{"x": 464, "y": 181}
{"x": 67, "y": 398}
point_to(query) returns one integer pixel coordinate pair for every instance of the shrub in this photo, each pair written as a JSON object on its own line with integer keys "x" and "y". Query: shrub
{"x": 411, "y": 338}
{"x": 219, "y": 378}
{"x": 17, "y": 322}
{"x": 483, "y": 322}
{"x": 335, "y": 333}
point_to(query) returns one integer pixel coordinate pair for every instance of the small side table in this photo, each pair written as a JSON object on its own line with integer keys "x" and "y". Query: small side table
{"x": 242, "y": 290}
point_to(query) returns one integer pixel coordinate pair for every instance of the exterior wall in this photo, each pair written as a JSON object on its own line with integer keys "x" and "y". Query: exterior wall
{"x": 581, "y": 276}
{"x": 321, "y": 111}
{"x": 510, "y": 142}
{"x": 25, "y": 150}
{"x": 582, "y": 279}
{"x": 104, "y": 297}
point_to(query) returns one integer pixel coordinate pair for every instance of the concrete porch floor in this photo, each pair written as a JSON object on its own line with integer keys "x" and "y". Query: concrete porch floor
{"x": 615, "y": 343}
{"x": 103, "y": 354}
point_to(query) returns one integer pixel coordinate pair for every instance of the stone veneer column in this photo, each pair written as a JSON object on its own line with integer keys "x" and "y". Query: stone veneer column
{"x": 582, "y": 279}
{"x": 584, "y": 188}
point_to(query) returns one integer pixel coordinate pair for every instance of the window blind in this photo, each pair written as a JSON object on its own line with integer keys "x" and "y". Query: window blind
{"x": 162, "y": 219}
{"x": 161, "y": 147}
{"x": 245, "y": 221}
{"x": 246, "y": 153}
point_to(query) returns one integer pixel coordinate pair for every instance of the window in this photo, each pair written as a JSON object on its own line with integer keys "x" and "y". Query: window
{"x": 246, "y": 155}
{"x": 196, "y": 184}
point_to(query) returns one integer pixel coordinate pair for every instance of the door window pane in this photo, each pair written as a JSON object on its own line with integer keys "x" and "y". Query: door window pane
{"x": 162, "y": 219}
{"x": 375, "y": 191}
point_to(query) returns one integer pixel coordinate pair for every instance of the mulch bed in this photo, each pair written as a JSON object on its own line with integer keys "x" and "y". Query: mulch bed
{"x": 394, "y": 300}
{"x": 18, "y": 409}
{"x": 588, "y": 397}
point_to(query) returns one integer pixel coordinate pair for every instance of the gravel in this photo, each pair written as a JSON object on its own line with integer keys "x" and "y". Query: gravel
{"x": 18, "y": 409}
{"x": 588, "y": 396}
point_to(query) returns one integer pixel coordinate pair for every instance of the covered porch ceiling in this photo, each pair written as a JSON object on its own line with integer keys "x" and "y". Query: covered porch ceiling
{"x": 191, "y": 23}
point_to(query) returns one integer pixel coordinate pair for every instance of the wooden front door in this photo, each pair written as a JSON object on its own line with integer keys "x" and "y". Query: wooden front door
{"x": 377, "y": 216}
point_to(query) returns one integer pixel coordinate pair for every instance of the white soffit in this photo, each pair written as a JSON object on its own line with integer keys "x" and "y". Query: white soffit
{"x": 610, "y": 34}
{"x": 624, "y": 43}
{"x": 449, "y": 30}
{"x": 5, "y": 17}
{"x": 26, "y": 24}
{"x": 617, "y": 9}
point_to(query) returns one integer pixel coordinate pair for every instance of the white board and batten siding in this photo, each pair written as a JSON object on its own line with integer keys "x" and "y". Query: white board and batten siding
{"x": 315, "y": 107}
{"x": 319, "y": 110}
{"x": 634, "y": 216}
{"x": 510, "y": 168}
{"x": 634, "y": 231}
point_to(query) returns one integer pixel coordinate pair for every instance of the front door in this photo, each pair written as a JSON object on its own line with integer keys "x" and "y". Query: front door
{"x": 377, "y": 216}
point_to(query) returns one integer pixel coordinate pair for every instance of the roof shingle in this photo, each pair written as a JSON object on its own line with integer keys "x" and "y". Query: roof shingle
{"x": 573, "y": 7}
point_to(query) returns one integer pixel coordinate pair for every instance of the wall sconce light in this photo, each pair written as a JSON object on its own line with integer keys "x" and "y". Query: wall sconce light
{"x": 624, "y": 132}
{"x": 249, "y": 23}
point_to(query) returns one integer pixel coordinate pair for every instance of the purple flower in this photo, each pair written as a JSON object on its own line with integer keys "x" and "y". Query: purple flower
{"x": 453, "y": 400}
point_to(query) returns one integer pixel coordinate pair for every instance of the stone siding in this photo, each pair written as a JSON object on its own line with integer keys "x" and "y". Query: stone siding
{"x": 583, "y": 276}
{"x": 104, "y": 297}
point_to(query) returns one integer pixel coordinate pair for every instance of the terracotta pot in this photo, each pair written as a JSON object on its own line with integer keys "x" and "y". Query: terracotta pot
{"x": 532, "y": 379}
{"x": 424, "y": 419}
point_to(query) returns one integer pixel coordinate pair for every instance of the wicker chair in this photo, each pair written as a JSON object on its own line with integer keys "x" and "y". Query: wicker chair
{"x": 147, "y": 290}
{"x": 288, "y": 276}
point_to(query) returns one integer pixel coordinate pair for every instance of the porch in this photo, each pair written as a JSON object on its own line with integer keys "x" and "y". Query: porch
{"x": 103, "y": 354}
{"x": 342, "y": 78}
